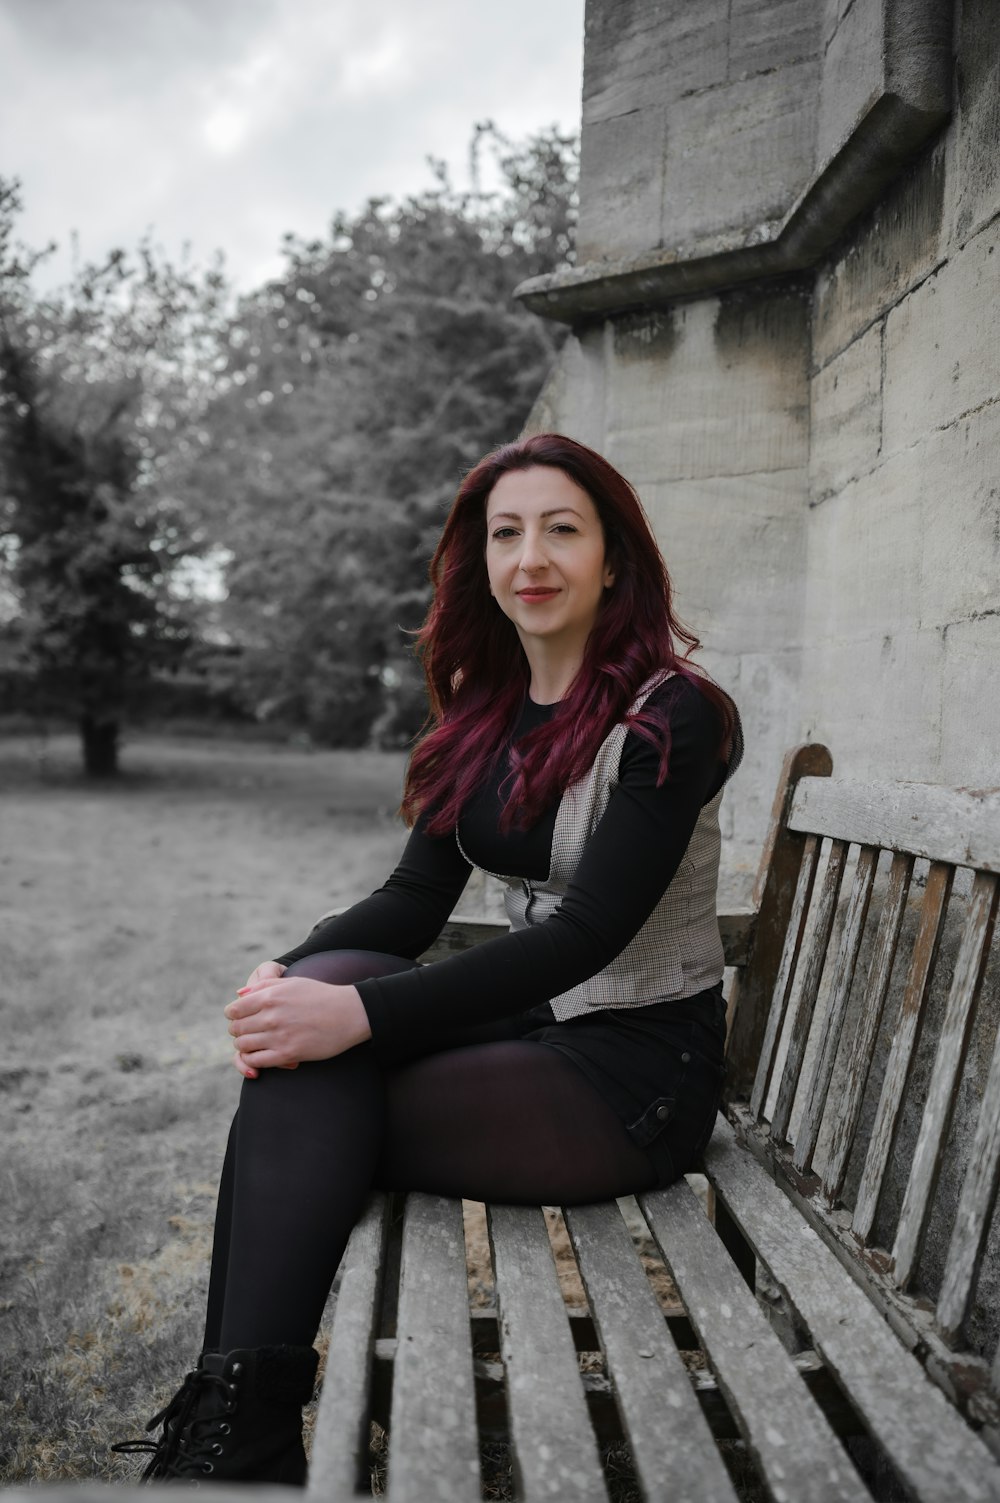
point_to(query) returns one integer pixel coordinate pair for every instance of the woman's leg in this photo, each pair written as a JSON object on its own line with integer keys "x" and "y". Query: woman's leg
{"x": 509, "y": 1121}
{"x": 298, "y": 1167}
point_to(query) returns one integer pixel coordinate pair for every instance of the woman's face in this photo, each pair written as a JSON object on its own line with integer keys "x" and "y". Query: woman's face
{"x": 545, "y": 556}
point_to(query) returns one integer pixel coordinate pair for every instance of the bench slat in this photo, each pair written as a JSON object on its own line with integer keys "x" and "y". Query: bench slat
{"x": 785, "y": 1430}
{"x": 553, "y": 1443}
{"x": 433, "y": 1443}
{"x": 958, "y": 825}
{"x": 919, "y": 1430}
{"x": 786, "y": 971}
{"x": 340, "y": 1439}
{"x": 908, "y": 1025}
{"x": 847, "y": 1111}
{"x": 810, "y": 971}
{"x": 818, "y": 1086}
{"x": 672, "y": 1447}
{"x": 948, "y": 1061}
{"x": 975, "y": 1207}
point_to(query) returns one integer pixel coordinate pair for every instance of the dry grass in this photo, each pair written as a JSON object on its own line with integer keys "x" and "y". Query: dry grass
{"x": 127, "y": 916}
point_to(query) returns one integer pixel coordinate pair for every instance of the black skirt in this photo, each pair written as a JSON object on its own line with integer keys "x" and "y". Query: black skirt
{"x": 659, "y": 1067}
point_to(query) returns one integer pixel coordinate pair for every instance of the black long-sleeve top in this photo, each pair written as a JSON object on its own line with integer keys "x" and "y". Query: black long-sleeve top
{"x": 625, "y": 869}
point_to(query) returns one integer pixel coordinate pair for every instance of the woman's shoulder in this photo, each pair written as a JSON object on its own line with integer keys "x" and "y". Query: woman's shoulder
{"x": 680, "y": 698}
{"x": 693, "y": 719}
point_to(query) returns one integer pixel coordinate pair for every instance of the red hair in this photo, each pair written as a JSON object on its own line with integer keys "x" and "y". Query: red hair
{"x": 477, "y": 673}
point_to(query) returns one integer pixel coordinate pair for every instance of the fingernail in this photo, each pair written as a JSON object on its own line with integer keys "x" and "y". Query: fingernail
{"x": 241, "y": 991}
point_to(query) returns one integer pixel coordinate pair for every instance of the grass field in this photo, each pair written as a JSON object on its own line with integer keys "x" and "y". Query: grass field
{"x": 128, "y": 914}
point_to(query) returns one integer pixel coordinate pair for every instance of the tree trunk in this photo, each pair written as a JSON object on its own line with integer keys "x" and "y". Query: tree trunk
{"x": 100, "y": 746}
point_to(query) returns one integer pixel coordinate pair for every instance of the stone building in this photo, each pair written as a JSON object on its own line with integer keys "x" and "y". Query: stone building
{"x": 786, "y": 332}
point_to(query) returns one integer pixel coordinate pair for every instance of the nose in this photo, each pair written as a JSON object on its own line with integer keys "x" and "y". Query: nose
{"x": 533, "y": 555}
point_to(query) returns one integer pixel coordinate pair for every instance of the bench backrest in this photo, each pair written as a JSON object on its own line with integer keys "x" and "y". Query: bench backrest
{"x": 861, "y": 893}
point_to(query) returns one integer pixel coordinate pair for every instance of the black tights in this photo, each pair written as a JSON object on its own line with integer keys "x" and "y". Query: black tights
{"x": 484, "y": 1116}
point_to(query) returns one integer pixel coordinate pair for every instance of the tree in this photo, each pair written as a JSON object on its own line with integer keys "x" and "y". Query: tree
{"x": 358, "y": 388}
{"x": 101, "y": 388}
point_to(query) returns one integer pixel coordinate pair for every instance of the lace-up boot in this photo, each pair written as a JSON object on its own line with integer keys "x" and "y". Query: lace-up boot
{"x": 238, "y": 1417}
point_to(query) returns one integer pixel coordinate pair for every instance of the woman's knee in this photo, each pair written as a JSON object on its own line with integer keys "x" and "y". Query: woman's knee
{"x": 345, "y": 967}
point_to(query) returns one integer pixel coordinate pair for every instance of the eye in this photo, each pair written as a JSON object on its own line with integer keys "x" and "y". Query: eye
{"x": 564, "y": 527}
{"x": 504, "y": 532}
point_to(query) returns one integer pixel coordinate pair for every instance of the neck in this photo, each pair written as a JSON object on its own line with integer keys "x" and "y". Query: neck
{"x": 552, "y": 672}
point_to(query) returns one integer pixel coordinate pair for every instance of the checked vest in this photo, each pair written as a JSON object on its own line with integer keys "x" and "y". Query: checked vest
{"x": 678, "y": 950}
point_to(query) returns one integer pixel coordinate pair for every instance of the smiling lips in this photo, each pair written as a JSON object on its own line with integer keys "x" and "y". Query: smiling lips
{"x": 537, "y": 593}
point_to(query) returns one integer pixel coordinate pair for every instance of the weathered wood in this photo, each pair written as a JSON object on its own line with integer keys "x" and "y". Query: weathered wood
{"x": 786, "y": 973}
{"x": 975, "y": 1208}
{"x": 433, "y": 1442}
{"x": 602, "y": 1406}
{"x": 827, "y": 1282}
{"x": 808, "y": 973}
{"x": 963, "y": 1377}
{"x": 461, "y": 933}
{"x": 948, "y": 1061}
{"x": 848, "y": 1106}
{"x": 909, "y": 1023}
{"x": 818, "y": 1086}
{"x": 958, "y": 825}
{"x": 553, "y": 1444}
{"x": 791, "y": 1442}
{"x": 340, "y": 1440}
{"x": 486, "y": 1332}
{"x": 774, "y": 891}
{"x": 671, "y": 1444}
{"x": 938, "y": 1457}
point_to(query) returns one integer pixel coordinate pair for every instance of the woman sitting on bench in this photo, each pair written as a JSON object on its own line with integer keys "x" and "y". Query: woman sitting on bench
{"x": 574, "y": 750}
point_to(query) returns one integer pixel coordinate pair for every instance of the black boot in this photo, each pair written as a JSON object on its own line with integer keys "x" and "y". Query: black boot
{"x": 237, "y": 1417}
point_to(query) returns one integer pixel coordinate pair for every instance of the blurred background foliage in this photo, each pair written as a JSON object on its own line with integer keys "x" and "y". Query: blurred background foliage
{"x": 222, "y": 507}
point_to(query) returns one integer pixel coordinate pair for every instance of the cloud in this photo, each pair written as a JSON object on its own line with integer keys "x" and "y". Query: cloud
{"x": 226, "y": 124}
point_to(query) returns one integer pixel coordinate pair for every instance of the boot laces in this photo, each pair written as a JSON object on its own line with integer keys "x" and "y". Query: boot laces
{"x": 189, "y": 1441}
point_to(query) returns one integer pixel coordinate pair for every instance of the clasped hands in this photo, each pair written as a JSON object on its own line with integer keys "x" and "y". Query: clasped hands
{"x": 280, "y": 1022}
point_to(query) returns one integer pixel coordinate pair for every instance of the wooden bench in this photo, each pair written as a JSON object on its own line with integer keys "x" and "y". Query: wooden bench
{"x": 804, "y": 1313}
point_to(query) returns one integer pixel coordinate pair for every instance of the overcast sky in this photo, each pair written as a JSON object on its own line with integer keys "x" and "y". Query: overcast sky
{"x": 224, "y": 123}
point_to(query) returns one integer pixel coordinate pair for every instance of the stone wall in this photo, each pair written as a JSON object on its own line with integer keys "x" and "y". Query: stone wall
{"x": 703, "y": 406}
{"x": 902, "y": 623}
{"x": 785, "y": 332}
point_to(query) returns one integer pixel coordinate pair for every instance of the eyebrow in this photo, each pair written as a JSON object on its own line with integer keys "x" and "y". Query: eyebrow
{"x": 554, "y": 512}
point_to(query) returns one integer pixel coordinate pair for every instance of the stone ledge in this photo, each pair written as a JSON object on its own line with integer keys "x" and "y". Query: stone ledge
{"x": 913, "y": 103}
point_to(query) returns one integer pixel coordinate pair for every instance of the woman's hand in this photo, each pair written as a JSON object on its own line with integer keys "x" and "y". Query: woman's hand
{"x": 278, "y": 1022}
{"x": 268, "y": 970}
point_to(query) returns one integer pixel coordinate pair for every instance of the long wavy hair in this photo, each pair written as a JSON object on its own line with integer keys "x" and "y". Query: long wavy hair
{"x": 477, "y": 673}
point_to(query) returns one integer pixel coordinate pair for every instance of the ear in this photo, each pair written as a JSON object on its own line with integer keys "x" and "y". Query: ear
{"x": 609, "y": 578}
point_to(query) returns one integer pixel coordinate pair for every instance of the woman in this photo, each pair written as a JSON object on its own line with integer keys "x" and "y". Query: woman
{"x": 576, "y": 752}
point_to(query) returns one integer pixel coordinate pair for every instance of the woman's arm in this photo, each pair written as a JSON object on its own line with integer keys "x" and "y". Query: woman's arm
{"x": 281, "y": 1022}
{"x": 627, "y": 866}
{"x": 404, "y": 916}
